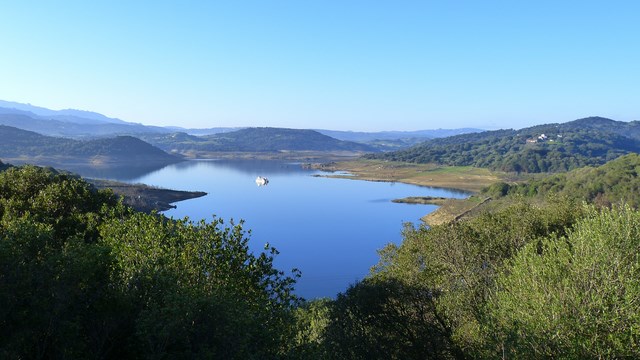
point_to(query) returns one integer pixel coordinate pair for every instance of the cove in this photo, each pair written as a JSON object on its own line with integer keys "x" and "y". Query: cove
{"x": 328, "y": 228}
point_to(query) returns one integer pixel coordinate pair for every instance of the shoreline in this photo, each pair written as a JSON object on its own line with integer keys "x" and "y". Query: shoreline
{"x": 465, "y": 179}
{"x": 146, "y": 198}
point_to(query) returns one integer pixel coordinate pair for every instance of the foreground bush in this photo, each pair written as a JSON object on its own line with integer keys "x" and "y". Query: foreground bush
{"x": 81, "y": 276}
{"x": 576, "y": 296}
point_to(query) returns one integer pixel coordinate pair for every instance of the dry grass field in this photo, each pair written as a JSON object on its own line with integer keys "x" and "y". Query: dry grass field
{"x": 454, "y": 177}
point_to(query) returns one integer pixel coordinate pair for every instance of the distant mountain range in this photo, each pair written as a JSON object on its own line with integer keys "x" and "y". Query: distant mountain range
{"x": 364, "y": 137}
{"x": 543, "y": 148}
{"x": 254, "y": 140}
{"x": 20, "y": 146}
{"x": 68, "y": 123}
{"x": 79, "y": 124}
{"x": 67, "y": 115}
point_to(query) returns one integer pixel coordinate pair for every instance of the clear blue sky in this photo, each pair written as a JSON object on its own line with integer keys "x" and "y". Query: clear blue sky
{"x": 344, "y": 64}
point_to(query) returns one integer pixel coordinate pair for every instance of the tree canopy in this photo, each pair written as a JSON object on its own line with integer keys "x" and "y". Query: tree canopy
{"x": 542, "y": 148}
{"x": 81, "y": 276}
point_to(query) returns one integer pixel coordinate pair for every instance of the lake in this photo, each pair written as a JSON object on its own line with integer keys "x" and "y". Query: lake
{"x": 328, "y": 228}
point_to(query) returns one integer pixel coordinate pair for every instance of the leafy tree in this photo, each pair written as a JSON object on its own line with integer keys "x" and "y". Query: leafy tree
{"x": 457, "y": 263}
{"x": 616, "y": 182}
{"x": 199, "y": 289}
{"x": 55, "y": 298}
{"x": 312, "y": 320}
{"x": 388, "y": 319}
{"x": 83, "y": 277}
{"x": 574, "y": 296}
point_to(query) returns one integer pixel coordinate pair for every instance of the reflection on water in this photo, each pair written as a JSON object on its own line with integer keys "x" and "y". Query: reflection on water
{"x": 249, "y": 166}
{"x": 122, "y": 173}
{"x": 328, "y": 228}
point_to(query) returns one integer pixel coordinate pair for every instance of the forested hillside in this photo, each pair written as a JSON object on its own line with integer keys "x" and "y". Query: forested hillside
{"x": 255, "y": 140}
{"x": 615, "y": 182}
{"x": 543, "y": 148}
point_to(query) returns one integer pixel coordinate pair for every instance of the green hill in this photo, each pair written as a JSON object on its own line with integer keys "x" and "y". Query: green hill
{"x": 614, "y": 182}
{"x": 255, "y": 140}
{"x": 28, "y": 146}
{"x": 543, "y": 148}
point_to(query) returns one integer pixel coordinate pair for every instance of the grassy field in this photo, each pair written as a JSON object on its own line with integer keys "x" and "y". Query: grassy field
{"x": 454, "y": 177}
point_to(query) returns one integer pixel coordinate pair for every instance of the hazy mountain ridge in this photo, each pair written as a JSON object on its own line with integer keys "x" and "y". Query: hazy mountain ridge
{"x": 70, "y": 126}
{"x": 394, "y": 140}
{"x": 255, "y": 140}
{"x": 28, "y": 146}
{"x": 361, "y": 136}
{"x": 542, "y": 148}
{"x": 71, "y": 115}
{"x": 80, "y": 124}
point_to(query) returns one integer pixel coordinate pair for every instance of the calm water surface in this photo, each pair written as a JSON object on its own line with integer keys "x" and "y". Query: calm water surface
{"x": 330, "y": 229}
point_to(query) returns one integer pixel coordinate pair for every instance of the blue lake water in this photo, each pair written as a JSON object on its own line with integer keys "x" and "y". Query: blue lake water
{"x": 328, "y": 228}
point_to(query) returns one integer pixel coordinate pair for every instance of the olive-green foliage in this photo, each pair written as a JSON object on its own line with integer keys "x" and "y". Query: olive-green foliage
{"x": 459, "y": 261}
{"x": 65, "y": 202}
{"x": 615, "y": 182}
{"x": 573, "y": 297}
{"x": 516, "y": 281}
{"x": 54, "y": 279}
{"x": 200, "y": 290}
{"x": 83, "y": 277}
{"x": 556, "y": 280}
{"x": 312, "y": 319}
{"x": 584, "y": 142}
{"x": 388, "y": 319}
{"x": 426, "y": 298}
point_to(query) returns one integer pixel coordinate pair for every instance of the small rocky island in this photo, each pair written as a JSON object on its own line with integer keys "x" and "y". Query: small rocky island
{"x": 425, "y": 200}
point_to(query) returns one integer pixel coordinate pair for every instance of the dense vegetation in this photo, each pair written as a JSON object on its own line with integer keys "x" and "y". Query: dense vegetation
{"x": 584, "y": 142}
{"x": 541, "y": 276}
{"x": 615, "y": 182}
{"x": 525, "y": 282}
{"x": 255, "y": 140}
{"x": 81, "y": 276}
{"x": 18, "y": 143}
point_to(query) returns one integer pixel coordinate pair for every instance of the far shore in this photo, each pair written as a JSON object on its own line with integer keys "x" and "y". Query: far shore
{"x": 465, "y": 178}
{"x": 298, "y": 155}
